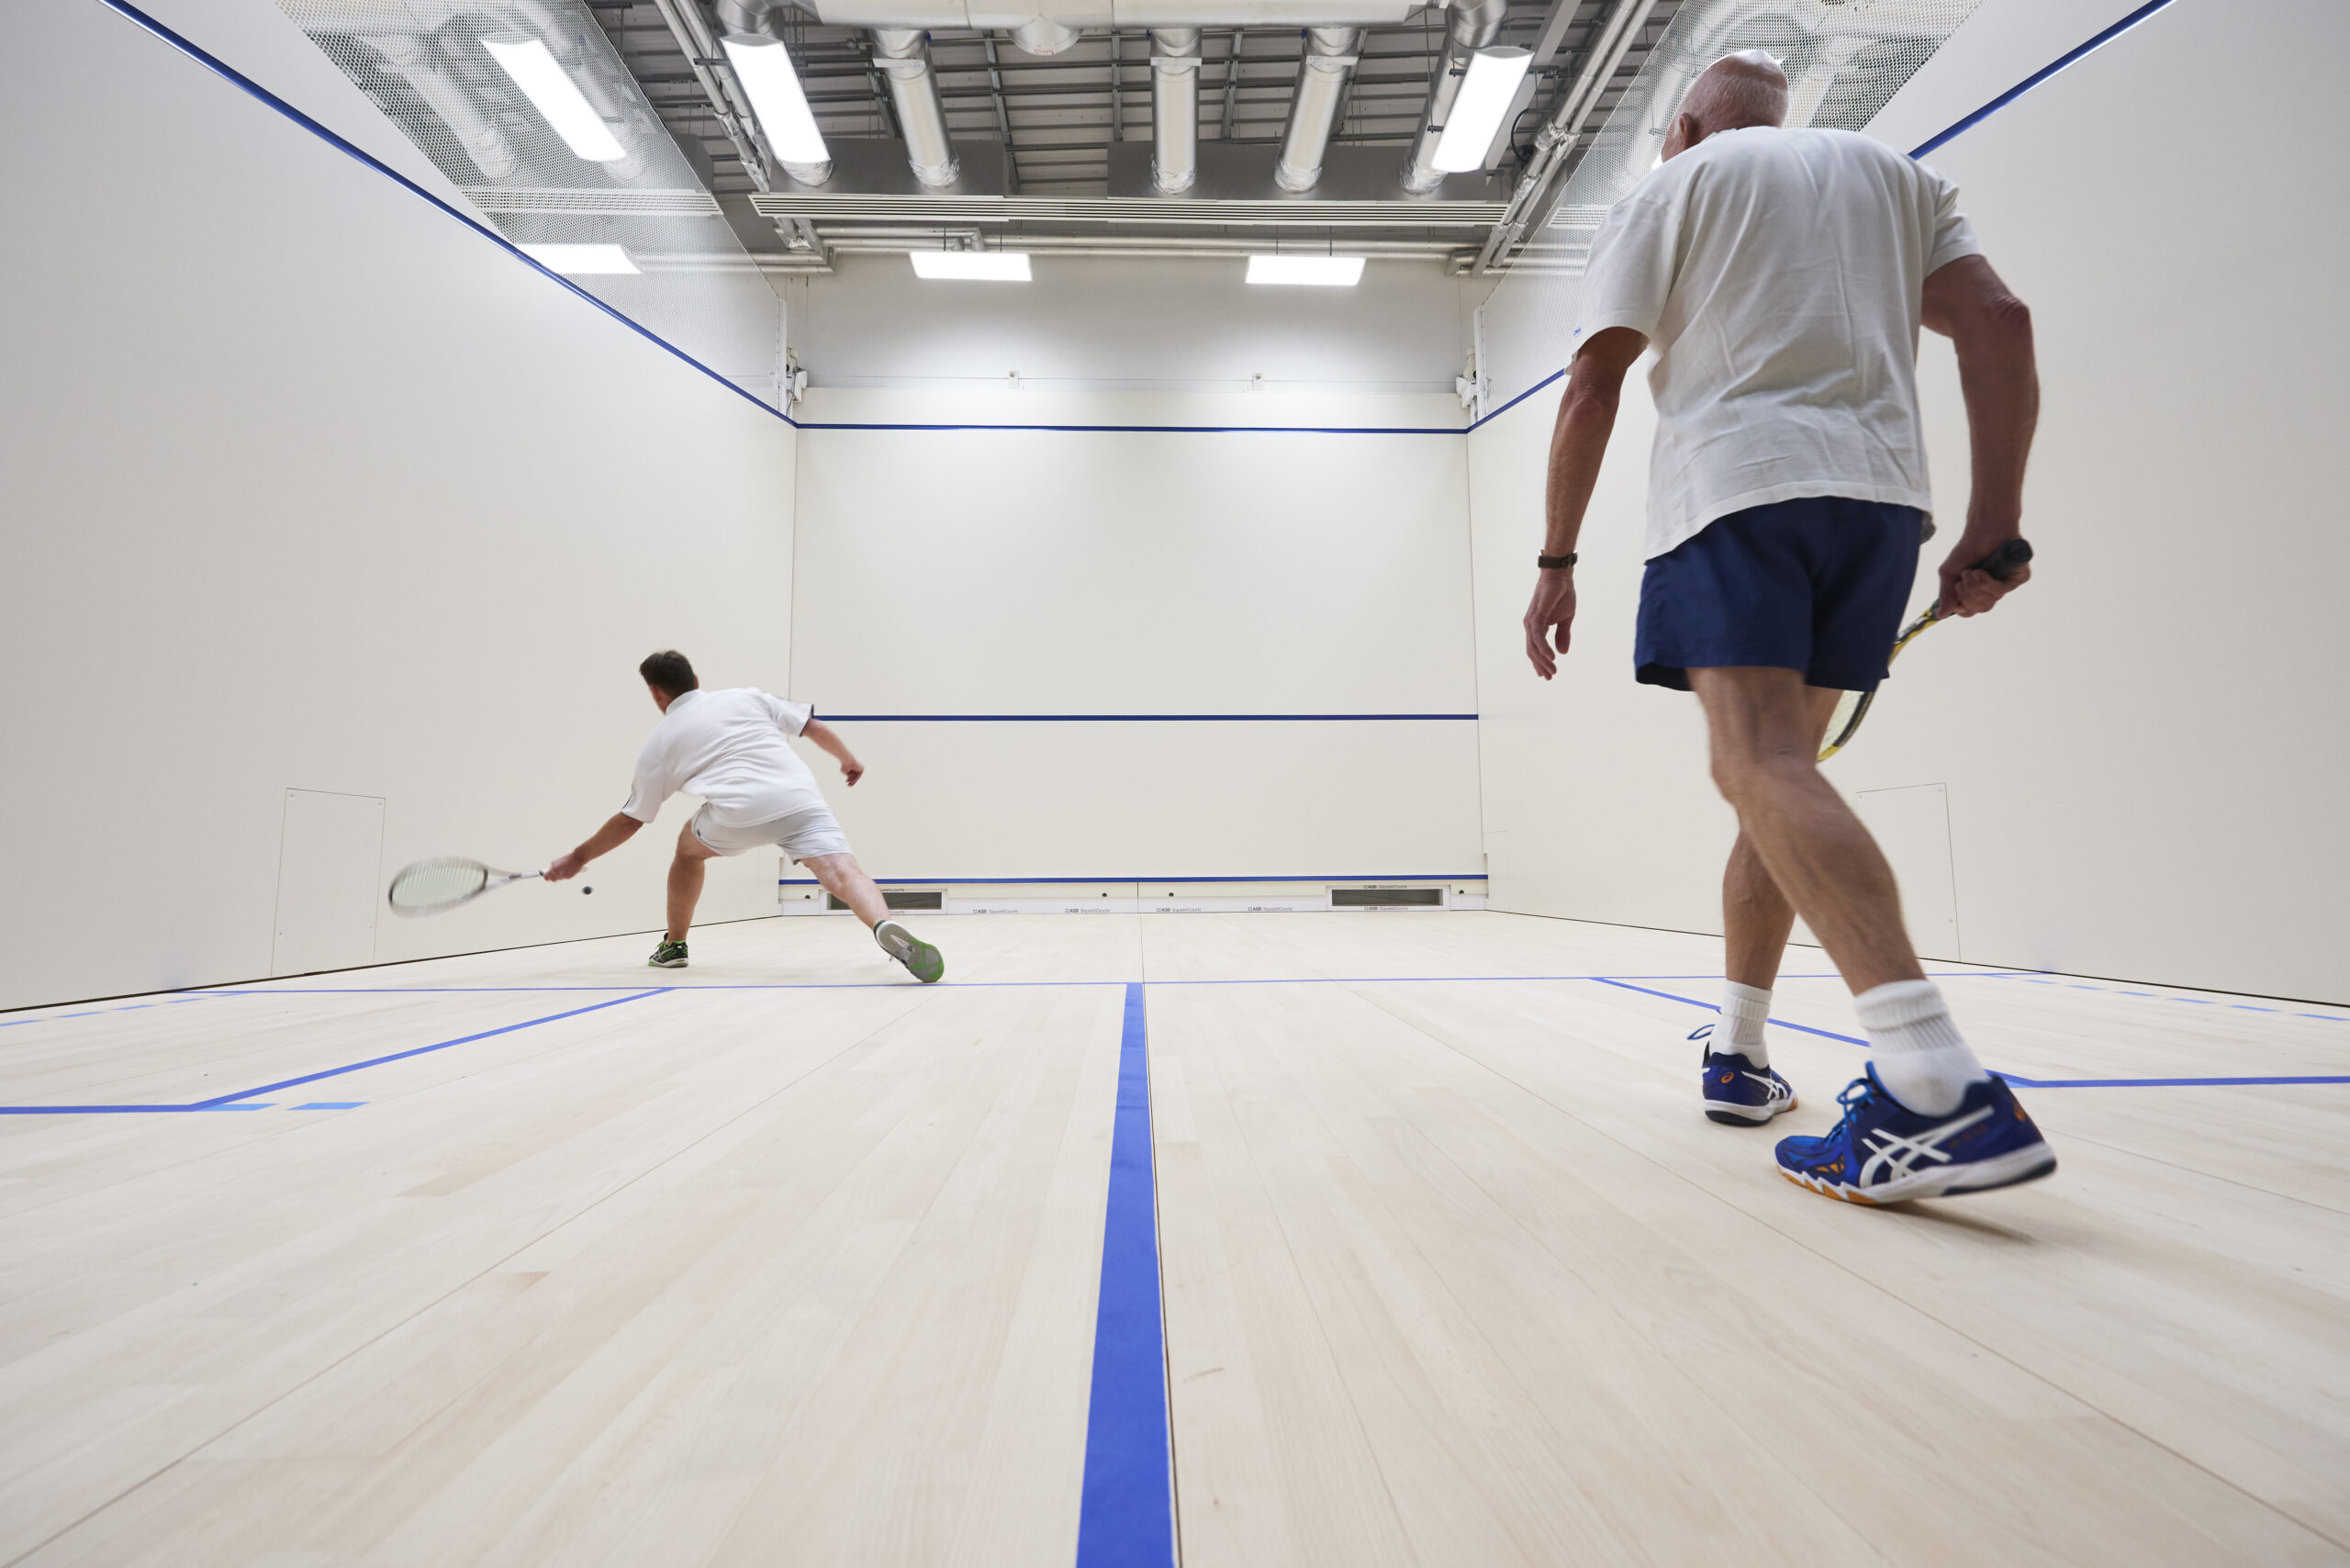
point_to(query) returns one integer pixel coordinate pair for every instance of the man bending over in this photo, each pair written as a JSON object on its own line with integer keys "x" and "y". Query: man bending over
{"x": 1782, "y": 276}
{"x": 729, "y": 748}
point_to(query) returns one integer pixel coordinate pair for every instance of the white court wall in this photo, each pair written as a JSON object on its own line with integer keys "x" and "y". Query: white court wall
{"x": 334, "y": 495}
{"x": 1134, "y": 572}
{"x": 2142, "y": 754}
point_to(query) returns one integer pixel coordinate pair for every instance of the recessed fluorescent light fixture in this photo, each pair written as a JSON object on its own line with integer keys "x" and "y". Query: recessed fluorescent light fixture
{"x": 765, "y": 67}
{"x": 556, "y": 96}
{"x": 1321, "y": 271}
{"x": 986, "y": 266}
{"x": 1475, "y": 118}
{"x": 579, "y": 261}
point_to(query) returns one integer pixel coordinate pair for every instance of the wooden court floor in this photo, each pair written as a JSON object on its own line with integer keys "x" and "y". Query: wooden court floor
{"x": 783, "y": 1260}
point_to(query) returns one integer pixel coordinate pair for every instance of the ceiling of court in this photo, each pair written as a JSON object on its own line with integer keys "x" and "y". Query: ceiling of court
{"x": 1058, "y": 118}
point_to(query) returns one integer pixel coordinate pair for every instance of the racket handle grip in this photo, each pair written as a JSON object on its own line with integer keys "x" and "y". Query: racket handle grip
{"x": 2001, "y": 564}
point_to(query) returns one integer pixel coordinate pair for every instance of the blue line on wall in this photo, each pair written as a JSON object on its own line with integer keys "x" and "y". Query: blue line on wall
{"x": 1146, "y": 718}
{"x": 2036, "y": 78}
{"x": 1126, "y": 1512}
{"x": 1064, "y": 881}
{"x": 2069, "y": 58}
{"x": 1157, "y": 430}
{"x": 229, "y": 73}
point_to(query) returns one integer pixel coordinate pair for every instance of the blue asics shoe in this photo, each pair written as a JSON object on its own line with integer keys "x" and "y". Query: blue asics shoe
{"x": 1737, "y": 1091}
{"x": 1883, "y": 1152}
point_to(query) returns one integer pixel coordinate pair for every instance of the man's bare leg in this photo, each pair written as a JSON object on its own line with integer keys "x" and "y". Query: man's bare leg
{"x": 1756, "y": 916}
{"x": 1766, "y": 752}
{"x": 842, "y": 877}
{"x": 1756, "y": 920}
{"x": 685, "y": 881}
{"x": 1822, "y": 860}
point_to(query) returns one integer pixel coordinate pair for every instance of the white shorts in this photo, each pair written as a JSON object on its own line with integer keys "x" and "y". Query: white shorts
{"x": 800, "y": 833}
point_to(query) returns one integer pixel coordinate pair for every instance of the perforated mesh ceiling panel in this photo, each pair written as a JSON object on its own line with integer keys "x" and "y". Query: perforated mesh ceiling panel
{"x": 1843, "y": 58}
{"x": 426, "y": 65}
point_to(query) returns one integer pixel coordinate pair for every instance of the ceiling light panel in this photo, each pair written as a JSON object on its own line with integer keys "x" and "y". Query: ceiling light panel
{"x": 984, "y": 266}
{"x": 765, "y": 67}
{"x": 1317, "y": 271}
{"x": 556, "y": 96}
{"x": 1475, "y": 118}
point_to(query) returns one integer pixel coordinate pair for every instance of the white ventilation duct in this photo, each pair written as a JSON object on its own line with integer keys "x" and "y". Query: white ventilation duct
{"x": 1330, "y": 56}
{"x": 903, "y": 54}
{"x": 1174, "y": 109}
{"x": 1475, "y": 24}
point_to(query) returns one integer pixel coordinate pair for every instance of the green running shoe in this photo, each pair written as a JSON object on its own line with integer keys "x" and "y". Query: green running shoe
{"x": 922, "y": 960}
{"x": 668, "y": 955}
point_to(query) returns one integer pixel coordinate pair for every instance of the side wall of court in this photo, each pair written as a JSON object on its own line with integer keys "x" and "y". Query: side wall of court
{"x": 2139, "y": 760}
{"x": 1100, "y": 573}
{"x": 311, "y": 487}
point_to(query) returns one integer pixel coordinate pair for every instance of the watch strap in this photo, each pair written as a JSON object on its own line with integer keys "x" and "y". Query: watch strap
{"x": 1552, "y": 563}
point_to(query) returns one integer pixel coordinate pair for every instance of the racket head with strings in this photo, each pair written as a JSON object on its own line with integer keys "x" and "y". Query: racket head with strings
{"x": 429, "y": 887}
{"x": 1854, "y": 706}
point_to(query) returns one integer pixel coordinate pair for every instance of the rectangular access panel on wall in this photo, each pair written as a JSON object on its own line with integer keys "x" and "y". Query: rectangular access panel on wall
{"x": 1912, "y": 824}
{"x": 328, "y": 867}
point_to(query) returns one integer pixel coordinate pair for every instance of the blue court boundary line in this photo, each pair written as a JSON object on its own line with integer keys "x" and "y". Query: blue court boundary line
{"x": 2018, "y": 1078}
{"x": 227, "y": 1101}
{"x": 1126, "y": 1508}
{"x": 1146, "y": 718}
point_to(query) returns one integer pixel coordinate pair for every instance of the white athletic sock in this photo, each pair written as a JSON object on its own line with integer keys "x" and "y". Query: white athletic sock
{"x": 1744, "y": 1011}
{"x": 1921, "y": 1058}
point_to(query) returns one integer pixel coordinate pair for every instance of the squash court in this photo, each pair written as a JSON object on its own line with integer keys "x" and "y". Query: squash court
{"x": 793, "y": 1261}
{"x": 897, "y": 784}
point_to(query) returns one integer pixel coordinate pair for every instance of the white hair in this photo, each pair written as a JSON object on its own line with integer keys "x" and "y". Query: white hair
{"x": 1741, "y": 89}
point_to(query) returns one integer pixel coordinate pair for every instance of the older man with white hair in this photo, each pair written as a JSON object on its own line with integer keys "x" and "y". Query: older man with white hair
{"x": 1782, "y": 276}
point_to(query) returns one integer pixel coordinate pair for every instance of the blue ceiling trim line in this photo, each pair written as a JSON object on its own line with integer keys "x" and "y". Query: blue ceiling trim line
{"x": 229, "y": 73}
{"x": 2042, "y": 74}
{"x": 1142, "y": 718}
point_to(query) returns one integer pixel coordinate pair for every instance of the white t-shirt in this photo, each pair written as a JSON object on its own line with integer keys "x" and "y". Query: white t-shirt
{"x": 1779, "y": 275}
{"x": 727, "y": 747}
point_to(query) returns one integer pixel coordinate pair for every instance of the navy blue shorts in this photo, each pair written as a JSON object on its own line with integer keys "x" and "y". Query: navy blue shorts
{"x": 1817, "y": 584}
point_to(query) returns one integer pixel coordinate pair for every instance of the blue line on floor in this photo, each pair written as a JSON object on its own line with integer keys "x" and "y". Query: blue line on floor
{"x": 2017, "y": 1077}
{"x": 228, "y": 1102}
{"x": 1126, "y": 1513}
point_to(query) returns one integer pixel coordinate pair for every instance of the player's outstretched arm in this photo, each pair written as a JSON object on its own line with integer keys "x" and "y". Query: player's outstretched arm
{"x": 828, "y": 738}
{"x": 1991, "y": 328}
{"x": 1586, "y": 419}
{"x": 603, "y": 841}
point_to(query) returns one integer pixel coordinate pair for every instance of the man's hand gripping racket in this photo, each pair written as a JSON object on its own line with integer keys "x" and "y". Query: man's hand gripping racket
{"x": 1966, "y": 590}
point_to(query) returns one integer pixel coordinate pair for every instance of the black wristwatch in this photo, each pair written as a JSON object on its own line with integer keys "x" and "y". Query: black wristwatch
{"x": 1552, "y": 563}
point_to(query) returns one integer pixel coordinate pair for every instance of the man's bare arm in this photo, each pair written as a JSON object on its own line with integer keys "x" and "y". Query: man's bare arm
{"x": 1586, "y": 419}
{"x": 602, "y": 842}
{"x": 828, "y": 738}
{"x": 1991, "y": 328}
